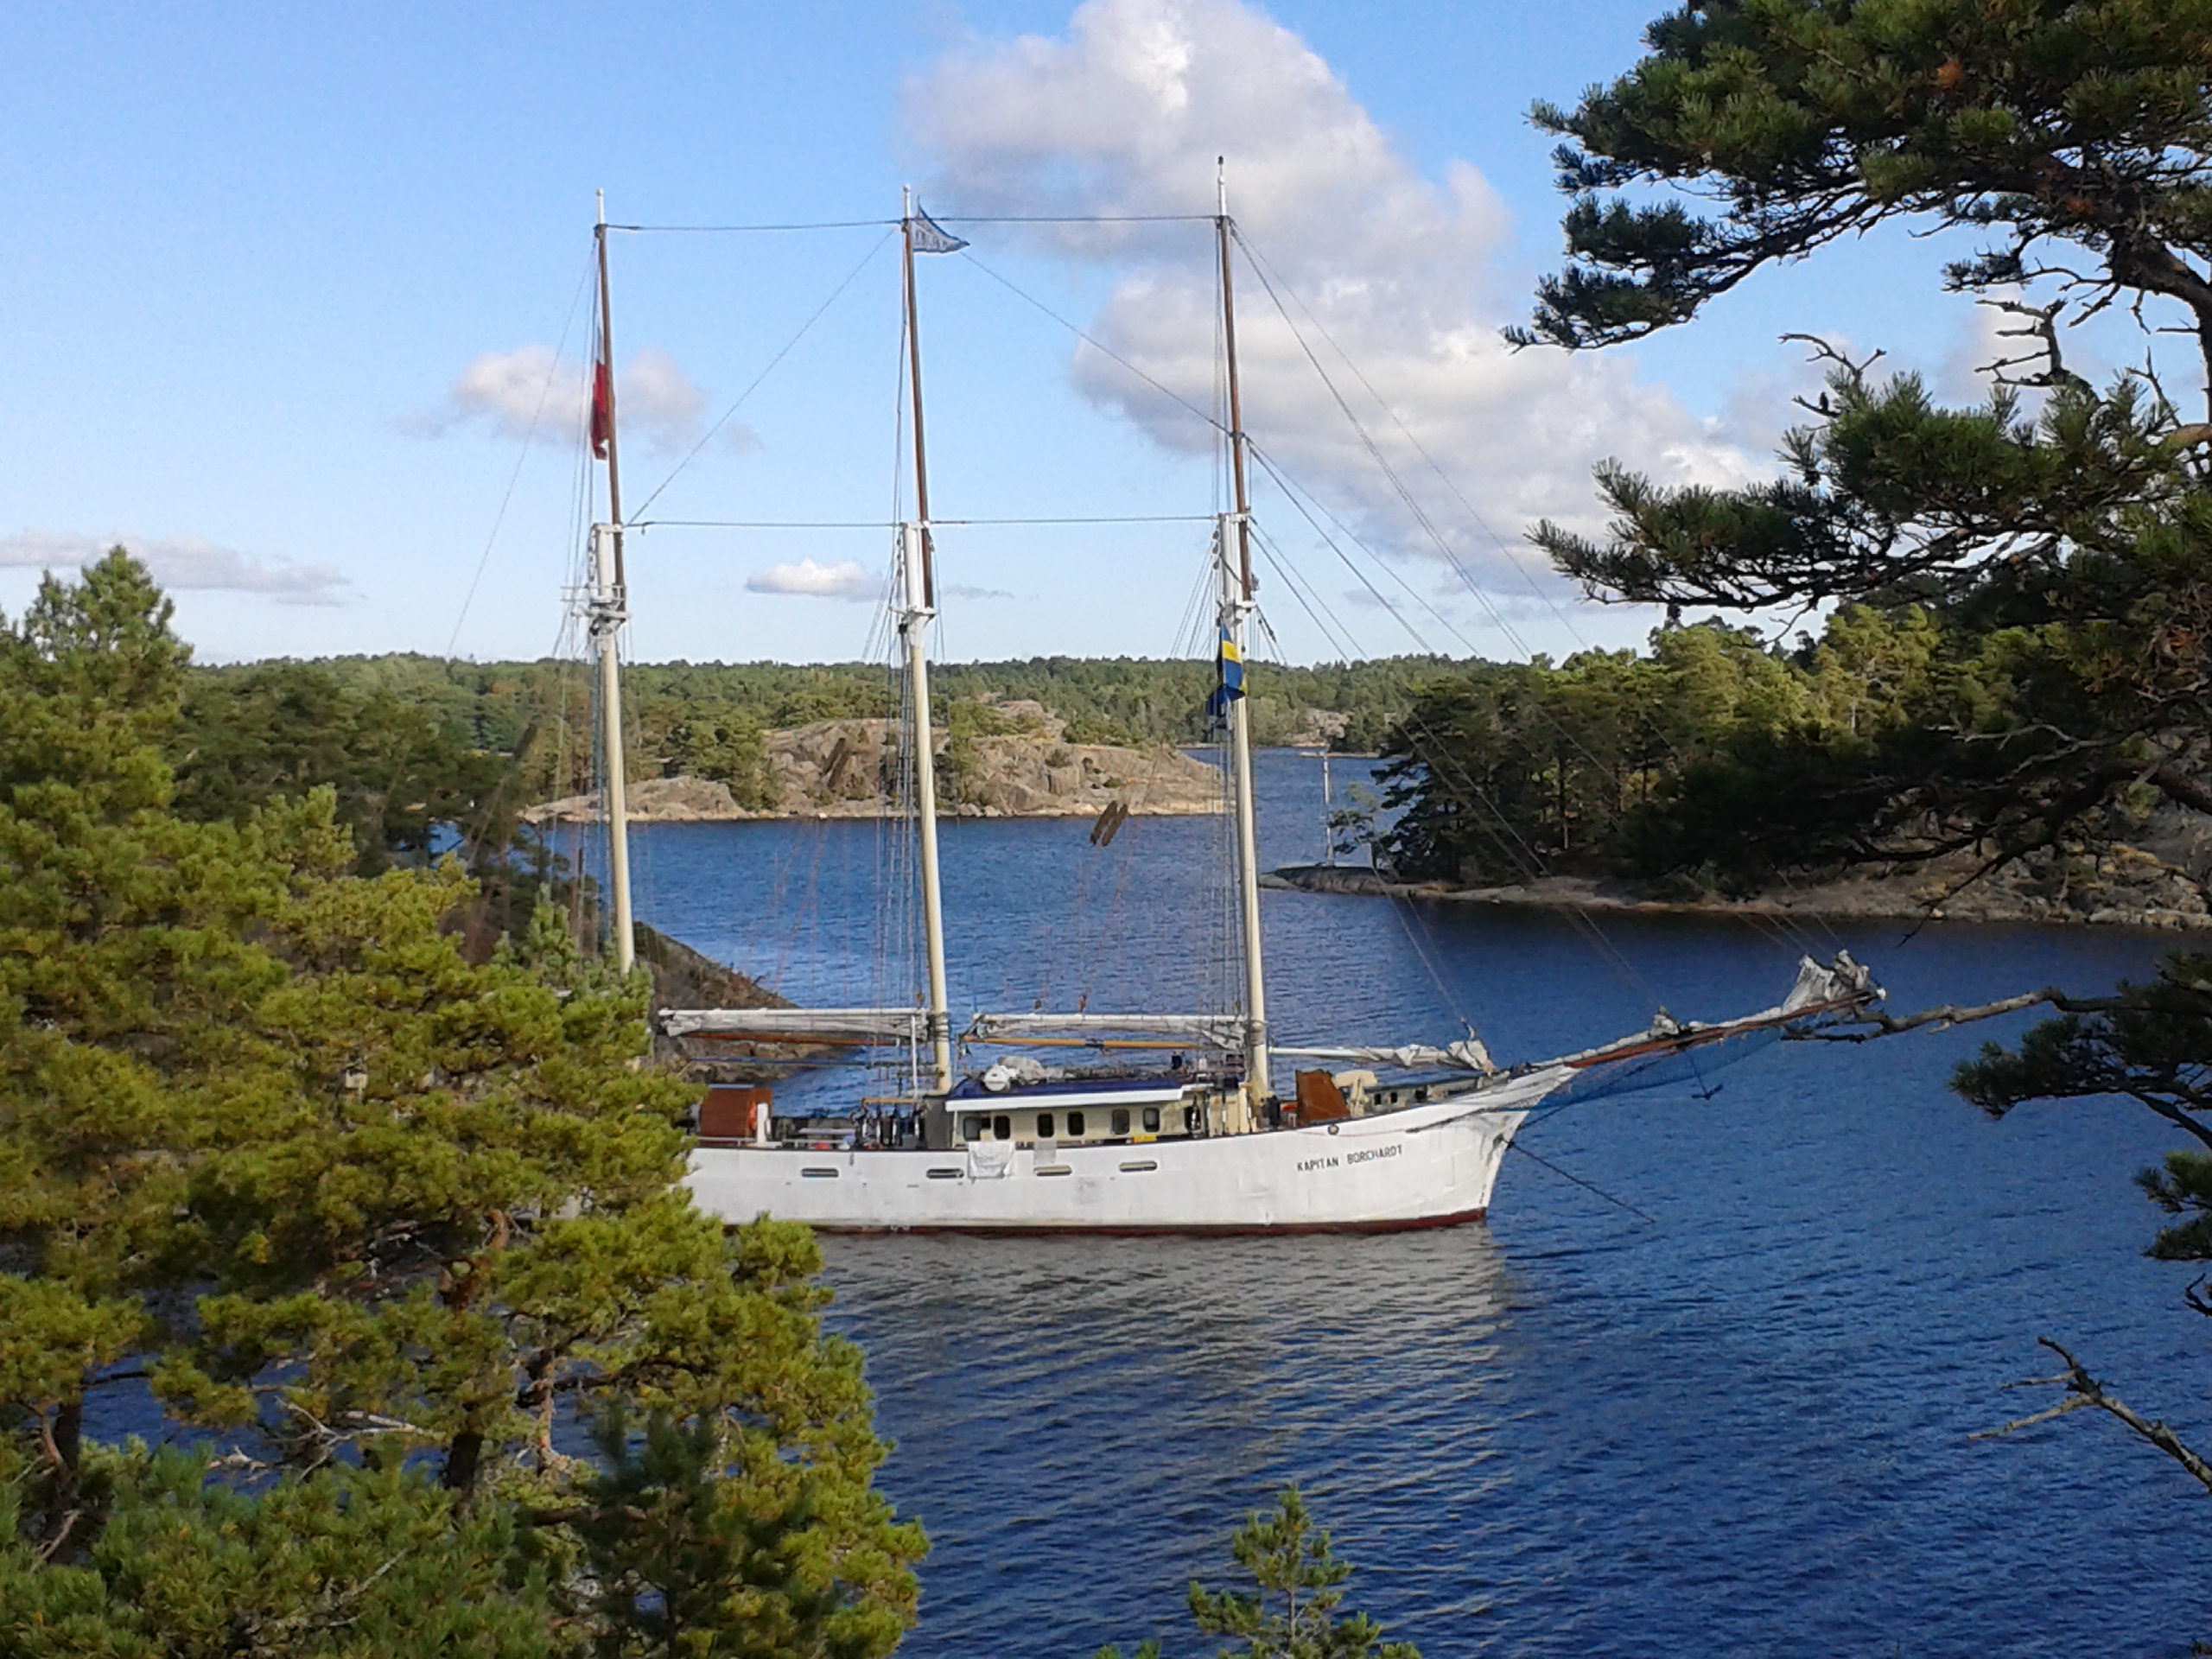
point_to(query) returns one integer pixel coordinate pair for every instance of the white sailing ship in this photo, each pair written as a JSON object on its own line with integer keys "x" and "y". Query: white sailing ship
{"x": 1395, "y": 1134}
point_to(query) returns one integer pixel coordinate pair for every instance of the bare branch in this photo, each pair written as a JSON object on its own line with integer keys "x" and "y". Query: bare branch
{"x": 1824, "y": 352}
{"x": 2042, "y": 326}
{"x": 1944, "y": 1015}
{"x": 2083, "y": 1389}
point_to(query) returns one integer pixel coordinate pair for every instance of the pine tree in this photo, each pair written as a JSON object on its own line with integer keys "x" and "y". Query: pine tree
{"x": 1292, "y": 1610}
{"x": 360, "y": 1214}
{"x": 2055, "y": 564}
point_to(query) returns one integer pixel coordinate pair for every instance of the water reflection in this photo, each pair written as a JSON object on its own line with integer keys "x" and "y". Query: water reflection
{"x": 1088, "y": 1415}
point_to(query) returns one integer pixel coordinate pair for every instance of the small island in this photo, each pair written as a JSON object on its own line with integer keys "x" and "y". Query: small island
{"x": 1022, "y": 767}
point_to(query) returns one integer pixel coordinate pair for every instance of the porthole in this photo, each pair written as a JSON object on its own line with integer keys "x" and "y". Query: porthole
{"x": 1043, "y": 1126}
{"x": 1002, "y": 1127}
{"x": 1121, "y": 1120}
{"x": 819, "y": 1175}
{"x": 971, "y": 1127}
{"x": 1152, "y": 1120}
{"x": 1075, "y": 1126}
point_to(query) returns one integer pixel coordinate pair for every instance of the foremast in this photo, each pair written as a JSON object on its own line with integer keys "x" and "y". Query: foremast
{"x": 1233, "y": 553}
{"x": 606, "y": 612}
{"x": 917, "y": 609}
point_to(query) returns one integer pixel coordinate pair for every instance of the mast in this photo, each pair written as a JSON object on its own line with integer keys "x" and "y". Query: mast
{"x": 1236, "y": 554}
{"x": 606, "y": 613}
{"x": 918, "y": 591}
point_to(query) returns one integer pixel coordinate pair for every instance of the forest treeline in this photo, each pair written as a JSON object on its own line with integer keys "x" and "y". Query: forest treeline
{"x": 1713, "y": 761}
{"x": 1651, "y": 763}
{"x": 410, "y": 741}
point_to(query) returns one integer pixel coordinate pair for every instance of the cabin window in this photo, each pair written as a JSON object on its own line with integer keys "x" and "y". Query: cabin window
{"x": 1121, "y": 1120}
{"x": 1002, "y": 1127}
{"x": 1075, "y": 1126}
{"x": 1043, "y": 1126}
{"x": 1152, "y": 1120}
{"x": 971, "y": 1127}
{"x": 1189, "y": 1120}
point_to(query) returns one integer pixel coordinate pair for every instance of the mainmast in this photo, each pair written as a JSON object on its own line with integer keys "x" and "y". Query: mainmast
{"x": 918, "y": 608}
{"x": 1234, "y": 546}
{"x": 607, "y": 611}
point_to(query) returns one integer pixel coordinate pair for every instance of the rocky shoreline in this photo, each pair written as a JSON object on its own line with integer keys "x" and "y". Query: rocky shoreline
{"x": 848, "y": 769}
{"x": 2125, "y": 888}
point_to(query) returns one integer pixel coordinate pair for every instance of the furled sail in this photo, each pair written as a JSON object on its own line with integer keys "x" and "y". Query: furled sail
{"x": 1466, "y": 1055}
{"x": 1823, "y": 990}
{"x": 1215, "y": 1030}
{"x": 799, "y": 1025}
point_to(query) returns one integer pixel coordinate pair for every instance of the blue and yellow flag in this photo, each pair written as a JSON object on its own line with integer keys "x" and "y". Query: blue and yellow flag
{"x": 1228, "y": 664}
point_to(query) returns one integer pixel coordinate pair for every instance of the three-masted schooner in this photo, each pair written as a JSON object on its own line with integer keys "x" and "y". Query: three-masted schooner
{"x": 1397, "y": 1135}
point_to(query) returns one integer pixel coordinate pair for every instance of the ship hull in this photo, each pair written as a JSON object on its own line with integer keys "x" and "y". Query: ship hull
{"x": 1431, "y": 1164}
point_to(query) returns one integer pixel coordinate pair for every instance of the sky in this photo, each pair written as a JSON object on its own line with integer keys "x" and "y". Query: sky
{"x": 296, "y": 308}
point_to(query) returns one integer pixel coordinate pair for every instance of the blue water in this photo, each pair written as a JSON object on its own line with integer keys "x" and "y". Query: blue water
{"x": 1735, "y": 1422}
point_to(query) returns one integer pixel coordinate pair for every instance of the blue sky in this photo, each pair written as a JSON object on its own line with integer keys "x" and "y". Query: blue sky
{"x": 284, "y": 285}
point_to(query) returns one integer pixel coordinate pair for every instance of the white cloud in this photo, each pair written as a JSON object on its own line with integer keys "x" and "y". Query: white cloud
{"x": 844, "y": 580}
{"x": 1126, "y": 113}
{"x": 530, "y": 390}
{"x": 181, "y": 561}
{"x": 517, "y": 392}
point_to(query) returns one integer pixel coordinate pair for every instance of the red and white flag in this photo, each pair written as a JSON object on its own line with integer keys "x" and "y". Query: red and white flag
{"x": 603, "y": 408}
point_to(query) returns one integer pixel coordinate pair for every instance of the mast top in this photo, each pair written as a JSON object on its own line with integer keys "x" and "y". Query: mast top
{"x": 602, "y": 209}
{"x": 1221, "y": 186}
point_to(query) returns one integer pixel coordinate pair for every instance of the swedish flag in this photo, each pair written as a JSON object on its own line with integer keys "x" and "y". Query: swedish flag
{"x": 1228, "y": 663}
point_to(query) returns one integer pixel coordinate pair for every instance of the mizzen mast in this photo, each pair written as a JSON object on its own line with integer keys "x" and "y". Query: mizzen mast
{"x": 917, "y": 609}
{"x": 606, "y": 610}
{"x": 1234, "y": 551}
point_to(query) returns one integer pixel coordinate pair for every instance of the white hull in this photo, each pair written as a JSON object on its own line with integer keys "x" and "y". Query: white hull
{"x": 1423, "y": 1166}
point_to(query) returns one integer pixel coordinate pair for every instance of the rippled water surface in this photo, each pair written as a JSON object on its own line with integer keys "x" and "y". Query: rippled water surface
{"x": 1733, "y": 1420}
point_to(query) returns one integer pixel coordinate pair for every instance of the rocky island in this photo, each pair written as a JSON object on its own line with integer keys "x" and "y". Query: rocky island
{"x": 2147, "y": 886}
{"x": 849, "y": 769}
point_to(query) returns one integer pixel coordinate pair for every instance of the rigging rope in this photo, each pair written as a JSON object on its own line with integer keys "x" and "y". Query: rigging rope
{"x": 537, "y": 412}
{"x": 937, "y": 524}
{"x": 1794, "y": 936}
{"x": 790, "y": 346}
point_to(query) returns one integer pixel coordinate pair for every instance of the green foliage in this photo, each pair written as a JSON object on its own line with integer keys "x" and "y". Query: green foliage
{"x": 351, "y": 1563}
{"x": 279, "y": 729}
{"x": 407, "y": 741}
{"x": 2150, "y": 1043}
{"x": 366, "y": 1216}
{"x": 1099, "y": 728}
{"x": 1292, "y": 1610}
{"x": 719, "y": 742}
{"x": 2081, "y": 128}
{"x": 1609, "y": 762}
{"x": 2033, "y": 666}
{"x": 2019, "y": 662}
{"x": 2036, "y": 585}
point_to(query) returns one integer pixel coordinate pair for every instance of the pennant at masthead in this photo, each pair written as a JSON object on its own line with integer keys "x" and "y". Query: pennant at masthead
{"x": 930, "y": 237}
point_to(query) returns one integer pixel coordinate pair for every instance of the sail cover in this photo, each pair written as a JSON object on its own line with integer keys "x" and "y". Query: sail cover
{"x": 799, "y": 1024}
{"x": 1466, "y": 1055}
{"x": 1215, "y": 1030}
